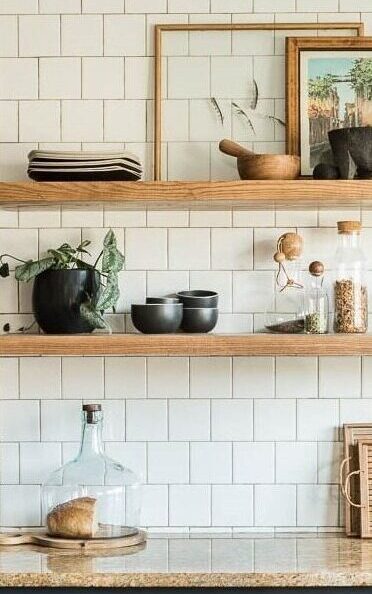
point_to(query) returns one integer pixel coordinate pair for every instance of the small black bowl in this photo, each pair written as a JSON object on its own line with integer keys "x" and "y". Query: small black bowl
{"x": 162, "y": 300}
{"x": 157, "y": 318}
{"x": 199, "y": 319}
{"x": 196, "y": 299}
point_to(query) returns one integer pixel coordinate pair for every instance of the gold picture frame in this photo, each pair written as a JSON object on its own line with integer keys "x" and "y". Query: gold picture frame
{"x": 163, "y": 28}
{"x": 314, "y": 46}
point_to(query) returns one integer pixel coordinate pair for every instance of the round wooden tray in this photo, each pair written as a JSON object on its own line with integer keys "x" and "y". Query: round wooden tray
{"x": 43, "y": 539}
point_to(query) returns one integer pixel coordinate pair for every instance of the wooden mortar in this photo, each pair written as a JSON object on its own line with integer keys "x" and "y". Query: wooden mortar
{"x": 261, "y": 166}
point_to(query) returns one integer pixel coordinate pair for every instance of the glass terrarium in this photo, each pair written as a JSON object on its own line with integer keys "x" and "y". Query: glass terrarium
{"x": 285, "y": 311}
{"x": 92, "y": 496}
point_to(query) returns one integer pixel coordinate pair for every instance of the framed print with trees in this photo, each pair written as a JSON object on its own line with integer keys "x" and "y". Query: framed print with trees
{"x": 328, "y": 86}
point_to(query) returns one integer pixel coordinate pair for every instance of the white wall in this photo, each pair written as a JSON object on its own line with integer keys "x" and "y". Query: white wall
{"x": 244, "y": 443}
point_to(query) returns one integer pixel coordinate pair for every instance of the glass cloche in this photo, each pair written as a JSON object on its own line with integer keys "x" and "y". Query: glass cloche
{"x": 92, "y": 496}
{"x": 285, "y": 310}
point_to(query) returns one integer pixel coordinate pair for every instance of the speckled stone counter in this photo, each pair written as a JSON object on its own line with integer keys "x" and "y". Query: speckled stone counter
{"x": 197, "y": 560}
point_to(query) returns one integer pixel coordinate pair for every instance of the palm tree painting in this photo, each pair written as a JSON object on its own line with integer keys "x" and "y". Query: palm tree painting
{"x": 337, "y": 90}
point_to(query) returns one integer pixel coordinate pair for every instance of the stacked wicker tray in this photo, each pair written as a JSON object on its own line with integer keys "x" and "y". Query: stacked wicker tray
{"x": 356, "y": 479}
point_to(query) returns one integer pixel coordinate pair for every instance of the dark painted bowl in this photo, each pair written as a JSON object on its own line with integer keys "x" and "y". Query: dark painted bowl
{"x": 198, "y": 298}
{"x": 157, "y": 318}
{"x": 162, "y": 300}
{"x": 199, "y": 319}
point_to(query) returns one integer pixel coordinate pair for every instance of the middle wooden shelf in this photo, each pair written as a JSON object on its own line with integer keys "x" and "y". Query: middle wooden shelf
{"x": 188, "y": 345}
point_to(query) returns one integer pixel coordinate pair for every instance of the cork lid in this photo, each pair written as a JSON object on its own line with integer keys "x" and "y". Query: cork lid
{"x": 316, "y": 268}
{"x": 291, "y": 245}
{"x": 91, "y": 417}
{"x": 92, "y": 407}
{"x": 348, "y": 227}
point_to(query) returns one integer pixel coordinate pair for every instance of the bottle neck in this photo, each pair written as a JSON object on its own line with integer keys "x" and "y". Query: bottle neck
{"x": 349, "y": 240}
{"x": 316, "y": 282}
{"x": 91, "y": 436}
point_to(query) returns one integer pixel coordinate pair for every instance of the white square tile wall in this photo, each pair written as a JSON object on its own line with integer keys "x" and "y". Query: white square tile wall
{"x": 230, "y": 443}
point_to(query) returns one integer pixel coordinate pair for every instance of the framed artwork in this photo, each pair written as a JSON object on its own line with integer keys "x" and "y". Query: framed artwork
{"x": 328, "y": 86}
{"x": 222, "y": 80}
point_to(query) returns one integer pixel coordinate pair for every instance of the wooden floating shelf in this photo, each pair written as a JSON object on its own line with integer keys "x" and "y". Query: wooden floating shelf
{"x": 192, "y": 345}
{"x": 298, "y": 194}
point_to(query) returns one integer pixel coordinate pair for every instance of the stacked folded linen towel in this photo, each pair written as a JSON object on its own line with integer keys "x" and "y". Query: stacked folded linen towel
{"x": 83, "y": 166}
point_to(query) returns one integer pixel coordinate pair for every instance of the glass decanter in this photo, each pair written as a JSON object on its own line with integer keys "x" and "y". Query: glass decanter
{"x": 93, "y": 478}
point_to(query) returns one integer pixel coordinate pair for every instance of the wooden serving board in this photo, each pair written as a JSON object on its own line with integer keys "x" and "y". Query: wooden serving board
{"x": 365, "y": 461}
{"x": 353, "y": 432}
{"x": 43, "y": 539}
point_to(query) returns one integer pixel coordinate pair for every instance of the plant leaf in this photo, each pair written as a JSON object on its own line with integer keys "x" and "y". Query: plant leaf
{"x": 82, "y": 264}
{"x": 110, "y": 295}
{"x": 242, "y": 113}
{"x": 84, "y": 244}
{"x": 4, "y": 270}
{"x": 92, "y": 315}
{"x": 112, "y": 259}
{"x": 30, "y": 269}
{"x": 254, "y": 100}
{"x": 67, "y": 248}
{"x": 217, "y": 109}
{"x": 61, "y": 259}
{"x": 81, "y": 247}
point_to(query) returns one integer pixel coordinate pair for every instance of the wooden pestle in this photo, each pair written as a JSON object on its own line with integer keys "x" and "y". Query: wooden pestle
{"x": 229, "y": 147}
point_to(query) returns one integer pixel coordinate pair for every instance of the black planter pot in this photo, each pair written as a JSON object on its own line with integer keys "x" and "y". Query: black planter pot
{"x": 57, "y": 296}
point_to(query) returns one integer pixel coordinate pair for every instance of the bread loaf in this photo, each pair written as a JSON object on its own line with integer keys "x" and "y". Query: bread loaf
{"x": 74, "y": 519}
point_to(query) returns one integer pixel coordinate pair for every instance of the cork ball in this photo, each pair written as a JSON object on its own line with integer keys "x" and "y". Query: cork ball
{"x": 279, "y": 257}
{"x": 291, "y": 244}
{"x": 316, "y": 268}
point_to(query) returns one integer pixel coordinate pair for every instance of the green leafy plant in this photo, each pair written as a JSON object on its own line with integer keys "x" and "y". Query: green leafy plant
{"x": 108, "y": 264}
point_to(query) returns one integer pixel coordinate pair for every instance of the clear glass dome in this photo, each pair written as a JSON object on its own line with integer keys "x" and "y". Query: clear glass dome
{"x": 92, "y": 496}
{"x": 285, "y": 311}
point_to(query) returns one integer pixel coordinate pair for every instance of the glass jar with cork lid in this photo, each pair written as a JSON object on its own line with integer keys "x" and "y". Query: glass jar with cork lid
{"x": 350, "y": 288}
{"x": 316, "y": 302}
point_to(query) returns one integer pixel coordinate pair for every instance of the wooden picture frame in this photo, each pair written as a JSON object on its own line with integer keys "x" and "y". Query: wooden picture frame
{"x": 163, "y": 28}
{"x": 294, "y": 48}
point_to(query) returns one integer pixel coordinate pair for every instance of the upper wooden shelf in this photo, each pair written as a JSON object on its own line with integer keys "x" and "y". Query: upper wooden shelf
{"x": 298, "y": 194}
{"x": 192, "y": 345}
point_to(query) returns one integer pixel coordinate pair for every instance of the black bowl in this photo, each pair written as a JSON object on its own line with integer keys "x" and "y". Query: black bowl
{"x": 198, "y": 299}
{"x": 157, "y": 318}
{"x": 199, "y": 319}
{"x": 162, "y": 300}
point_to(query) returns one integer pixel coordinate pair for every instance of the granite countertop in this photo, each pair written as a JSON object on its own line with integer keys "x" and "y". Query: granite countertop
{"x": 197, "y": 560}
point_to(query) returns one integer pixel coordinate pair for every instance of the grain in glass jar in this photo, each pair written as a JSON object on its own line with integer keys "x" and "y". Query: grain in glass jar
{"x": 350, "y": 288}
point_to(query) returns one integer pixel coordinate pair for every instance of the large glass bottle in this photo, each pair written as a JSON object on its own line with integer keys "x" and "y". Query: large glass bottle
{"x": 113, "y": 489}
{"x": 350, "y": 288}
